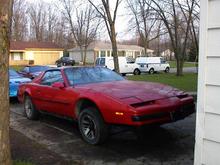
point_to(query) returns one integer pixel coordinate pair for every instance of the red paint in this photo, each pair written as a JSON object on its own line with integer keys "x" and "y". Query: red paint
{"x": 129, "y": 98}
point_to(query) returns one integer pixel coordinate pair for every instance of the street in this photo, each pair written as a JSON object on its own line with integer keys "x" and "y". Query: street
{"x": 169, "y": 144}
{"x": 185, "y": 70}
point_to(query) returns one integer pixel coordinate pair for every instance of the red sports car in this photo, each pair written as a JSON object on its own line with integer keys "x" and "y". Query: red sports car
{"x": 97, "y": 97}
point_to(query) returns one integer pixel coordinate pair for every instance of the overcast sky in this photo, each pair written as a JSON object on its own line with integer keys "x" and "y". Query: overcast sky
{"x": 121, "y": 21}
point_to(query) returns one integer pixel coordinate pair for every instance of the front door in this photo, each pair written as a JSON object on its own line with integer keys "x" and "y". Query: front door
{"x": 54, "y": 100}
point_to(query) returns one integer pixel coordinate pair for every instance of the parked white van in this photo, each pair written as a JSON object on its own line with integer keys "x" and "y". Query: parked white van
{"x": 126, "y": 65}
{"x": 152, "y": 64}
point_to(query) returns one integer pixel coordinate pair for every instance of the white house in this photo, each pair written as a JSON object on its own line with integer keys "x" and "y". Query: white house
{"x": 167, "y": 54}
{"x": 103, "y": 49}
{"x": 207, "y": 147}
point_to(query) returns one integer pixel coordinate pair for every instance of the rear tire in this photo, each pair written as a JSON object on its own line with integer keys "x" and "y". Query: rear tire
{"x": 151, "y": 71}
{"x": 137, "y": 72}
{"x": 167, "y": 70}
{"x": 29, "y": 109}
{"x": 92, "y": 126}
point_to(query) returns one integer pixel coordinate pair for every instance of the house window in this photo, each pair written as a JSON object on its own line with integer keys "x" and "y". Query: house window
{"x": 103, "y": 54}
{"x": 137, "y": 54}
{"x": 121, "y": 53}
{"x": 108, "y": 53}
{"x": 17, "y": 56}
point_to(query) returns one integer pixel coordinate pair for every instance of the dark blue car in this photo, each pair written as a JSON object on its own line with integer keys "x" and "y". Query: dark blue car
{"x": 14, "y": 81}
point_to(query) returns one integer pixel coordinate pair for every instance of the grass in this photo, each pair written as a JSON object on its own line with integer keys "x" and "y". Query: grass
{"x": 19, "y": 162}
{"x": 187, "y": 82}
{"x": 185, "y": 65}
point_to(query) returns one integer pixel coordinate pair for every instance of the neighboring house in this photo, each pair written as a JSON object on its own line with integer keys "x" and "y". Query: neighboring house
{"x": 103, "y": 49}
{"x": 34, "y": 53}
{"x": 168, "y": 55}
{"x": 207, "y": 147}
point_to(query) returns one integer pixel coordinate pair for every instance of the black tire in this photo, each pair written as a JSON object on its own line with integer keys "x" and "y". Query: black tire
{"x": 167, "y": 70}
{"x": 151, "y": 71}
{"x": 92, "y": 126}
{"x": 137, "y": 72}
{"x": 29, "y": 109}
{"x": 123, "y": 74}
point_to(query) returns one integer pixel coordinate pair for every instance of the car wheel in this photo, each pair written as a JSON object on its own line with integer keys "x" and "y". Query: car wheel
{"x": 137, "y": 72}
{"x": 167, "y": 70}
{"x": 92, "y": 126}
{"x": 151, "y": 71}
{"x": 29, "y": 109}
{"x": 123, "y": 74}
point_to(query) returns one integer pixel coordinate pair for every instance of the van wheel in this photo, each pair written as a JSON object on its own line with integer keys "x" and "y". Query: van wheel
{"x": 151, "y": 71}
{"x": 137, "y": 72}
{"x": 92, "y": 126}
{"x": 167, "y": 70}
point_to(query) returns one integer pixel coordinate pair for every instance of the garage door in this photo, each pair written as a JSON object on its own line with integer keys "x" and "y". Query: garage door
{"x": 46, "y": 58}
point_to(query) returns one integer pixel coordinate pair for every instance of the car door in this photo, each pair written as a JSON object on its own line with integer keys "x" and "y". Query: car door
{"x": 162, "y": 64}
{"x": 54, "y": 100}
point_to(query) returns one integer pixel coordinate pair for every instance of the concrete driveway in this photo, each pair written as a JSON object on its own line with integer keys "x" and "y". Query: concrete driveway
{"x": 170, "y": 144}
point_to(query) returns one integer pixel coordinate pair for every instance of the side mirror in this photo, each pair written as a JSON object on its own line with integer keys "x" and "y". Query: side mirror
{"x": 59, "y": 85}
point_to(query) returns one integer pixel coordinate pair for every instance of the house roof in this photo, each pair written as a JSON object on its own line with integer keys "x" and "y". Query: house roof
{"x": 23, "y": 45}
{"x": 98, "y": 45}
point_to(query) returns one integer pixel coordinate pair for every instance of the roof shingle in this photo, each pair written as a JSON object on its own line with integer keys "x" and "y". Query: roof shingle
{"x": 22, "y": 45}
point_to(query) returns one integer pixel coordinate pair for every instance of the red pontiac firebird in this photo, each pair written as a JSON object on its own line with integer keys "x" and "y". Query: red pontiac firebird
{"x": 97, "y": 97}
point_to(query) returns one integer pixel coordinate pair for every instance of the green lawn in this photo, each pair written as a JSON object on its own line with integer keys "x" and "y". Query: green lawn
{"x": 188, "y": 82}
{"x": 186, "y": 64}
{"x": 18, "y": 162}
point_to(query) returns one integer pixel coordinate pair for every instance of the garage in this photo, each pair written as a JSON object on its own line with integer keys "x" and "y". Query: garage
{"x": 46, "y": 58}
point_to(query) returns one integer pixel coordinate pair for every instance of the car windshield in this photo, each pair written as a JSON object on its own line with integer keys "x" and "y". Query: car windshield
{"x": 13, "y": 73}
{"x": 87, "y": 75}
{"x": 34, "y": 69}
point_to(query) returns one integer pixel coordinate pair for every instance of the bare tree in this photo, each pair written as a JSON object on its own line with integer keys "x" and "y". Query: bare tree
{"x": 104, "y": 10}
{"x": 83, "y": 26}
{"x": 5, "y": 23}
{"x": 145, "y": 21}
{"x": 177, "y": 20}
{"x": 37, "y": 16}
{"x": 85, "y": 29}
{"x": 19, "y": 21}
{"x": 51, "y": 22}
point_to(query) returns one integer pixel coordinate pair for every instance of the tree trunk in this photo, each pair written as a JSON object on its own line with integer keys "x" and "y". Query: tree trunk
{"x": 81, "y": 52}
{"x": 5, "y": 23}
{"x": 114, "y": 49}
{"x": 84, "y": 57}
{"x": 179, "y": 67}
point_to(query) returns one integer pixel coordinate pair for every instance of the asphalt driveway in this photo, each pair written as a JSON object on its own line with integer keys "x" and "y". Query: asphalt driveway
{"x": 170, "y": 144}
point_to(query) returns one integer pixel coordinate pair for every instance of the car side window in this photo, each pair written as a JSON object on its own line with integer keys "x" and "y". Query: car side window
{"x": 51, "y": 77}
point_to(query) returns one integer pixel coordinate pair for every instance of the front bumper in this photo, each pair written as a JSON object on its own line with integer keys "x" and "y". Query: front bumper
{"x": 160, "y": 112}
{"x": 178, "y": 114}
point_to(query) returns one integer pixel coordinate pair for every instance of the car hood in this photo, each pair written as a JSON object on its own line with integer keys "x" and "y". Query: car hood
{"x": 19, "y": 80}
{"x": 134, "y": 91}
